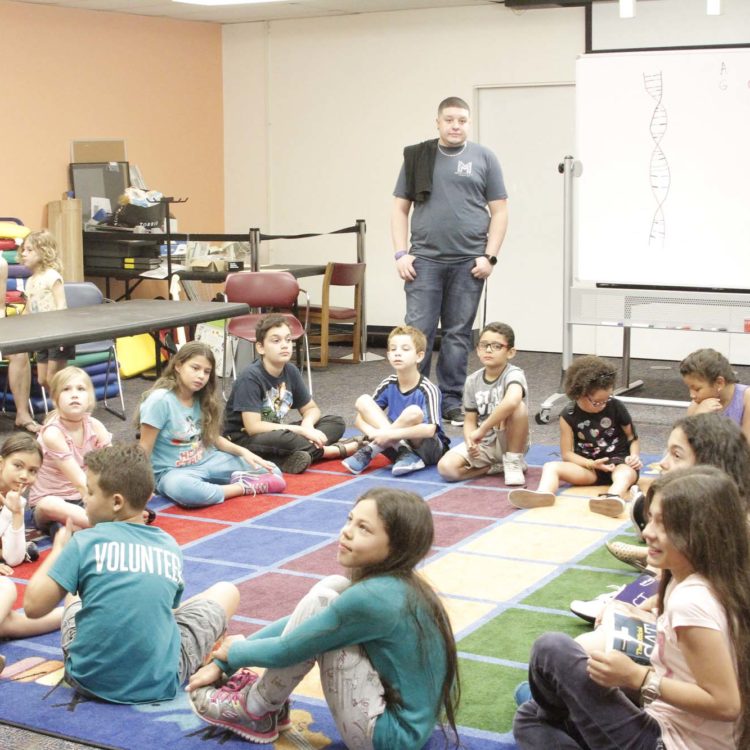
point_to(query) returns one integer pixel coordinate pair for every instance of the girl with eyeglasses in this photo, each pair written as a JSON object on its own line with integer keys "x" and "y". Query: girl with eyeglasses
{"x": 598, "y": 442}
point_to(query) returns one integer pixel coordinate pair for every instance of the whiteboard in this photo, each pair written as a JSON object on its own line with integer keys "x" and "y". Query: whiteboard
{"x": 664, "y": 195}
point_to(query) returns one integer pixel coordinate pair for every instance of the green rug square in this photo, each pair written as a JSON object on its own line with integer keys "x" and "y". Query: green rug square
{"x": 575, "y": 584}
{"x": 487, "y": 695}
{"x": 603, "y": 558}
{"x": 510, "y": 634}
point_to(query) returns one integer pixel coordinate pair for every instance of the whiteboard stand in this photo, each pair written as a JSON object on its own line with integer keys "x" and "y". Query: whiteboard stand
{"x": 590, "y": 302}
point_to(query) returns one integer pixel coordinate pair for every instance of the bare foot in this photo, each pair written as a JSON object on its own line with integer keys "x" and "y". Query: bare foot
{"x": 29, "y": 426}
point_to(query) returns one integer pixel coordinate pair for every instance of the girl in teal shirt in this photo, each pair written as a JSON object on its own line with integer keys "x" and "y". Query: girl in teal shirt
{"x": 383, "y": 641}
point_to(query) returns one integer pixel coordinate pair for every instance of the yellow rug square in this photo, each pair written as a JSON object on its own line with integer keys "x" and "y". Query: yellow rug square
{"x": 484, "y": 577}
{"x": 535, "y": 542}
{"x": 572, "y": 511}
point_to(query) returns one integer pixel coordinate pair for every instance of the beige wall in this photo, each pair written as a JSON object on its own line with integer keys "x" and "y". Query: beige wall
{"x": 346, "y": 94}
{"x": 74, "y": 74}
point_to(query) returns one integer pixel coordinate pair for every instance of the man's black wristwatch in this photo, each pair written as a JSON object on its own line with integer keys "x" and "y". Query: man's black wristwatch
{"x": 491, "y": 258}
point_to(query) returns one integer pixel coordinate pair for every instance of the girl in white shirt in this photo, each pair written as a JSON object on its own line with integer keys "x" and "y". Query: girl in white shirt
{"x": 695, "y": 694}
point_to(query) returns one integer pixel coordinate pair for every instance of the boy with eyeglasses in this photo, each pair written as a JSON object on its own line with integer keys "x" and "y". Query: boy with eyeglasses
{"x": 496, "y": 426}
{"x": 598, "y": 443}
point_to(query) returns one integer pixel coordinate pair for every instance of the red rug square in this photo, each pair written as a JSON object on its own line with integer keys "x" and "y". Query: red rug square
{"x": 322, "y": 561}
{"x": 533, "y": 474}
{"x": 185, "y": 530}
{"x": 310, "y": 482}
{"x": 474, "y": 501}
{"x": 450, "y": 530}
{"x": 272, "y": 595}
{"x": 237, "y": 509}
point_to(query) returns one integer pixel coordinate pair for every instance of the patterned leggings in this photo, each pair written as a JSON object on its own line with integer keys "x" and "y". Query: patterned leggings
{"x": 351, "y": 685}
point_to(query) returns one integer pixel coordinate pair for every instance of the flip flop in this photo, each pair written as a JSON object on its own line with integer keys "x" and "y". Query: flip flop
{"x": 26, "y": 427}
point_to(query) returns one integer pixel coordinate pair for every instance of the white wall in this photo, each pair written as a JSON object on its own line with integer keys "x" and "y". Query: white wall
{"x": 340, "y": 97}
{"x": 346, "y": 94}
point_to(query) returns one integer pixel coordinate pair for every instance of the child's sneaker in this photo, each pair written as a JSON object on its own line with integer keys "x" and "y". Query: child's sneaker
{"x": 226, "y": 707}
{"x": 530, "y": 498}
{"x": 637, "y": 510}
{"x": 522, "y": 693}
{"x": 283, "y": 717}
{"x": 591, "y": 609}
{"x": 258, "y": 484}
{"x": 295, "y": 463}
{"x": 607, "y": 504}
{"x": 406, "y": 462}
{"x": 514, "y": 466}
{"x": 359, "y": 461}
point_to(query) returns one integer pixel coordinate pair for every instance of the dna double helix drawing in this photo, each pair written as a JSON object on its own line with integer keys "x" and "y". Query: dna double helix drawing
{"x": 659, "y": 176}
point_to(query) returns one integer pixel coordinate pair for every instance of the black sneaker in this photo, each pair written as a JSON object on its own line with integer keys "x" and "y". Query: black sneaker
{"x": 455, "y": 416}
{"x": 295, "y": 463}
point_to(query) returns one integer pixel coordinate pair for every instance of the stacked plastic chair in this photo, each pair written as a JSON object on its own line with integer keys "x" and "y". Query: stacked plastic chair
{"x": 100, "y": 364}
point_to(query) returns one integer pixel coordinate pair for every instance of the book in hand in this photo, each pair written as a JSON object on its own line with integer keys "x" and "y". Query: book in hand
{"x": 631, "y": 631}
{"x": 643, "y": 587}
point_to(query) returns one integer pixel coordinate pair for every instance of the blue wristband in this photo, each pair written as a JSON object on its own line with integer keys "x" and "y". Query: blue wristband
{"x": 400, "y": 254}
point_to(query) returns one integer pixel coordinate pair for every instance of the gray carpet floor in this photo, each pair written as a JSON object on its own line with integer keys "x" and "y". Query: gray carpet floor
{"x": 337, "y": 387}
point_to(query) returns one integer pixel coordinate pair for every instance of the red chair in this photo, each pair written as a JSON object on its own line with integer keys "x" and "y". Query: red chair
{"x": 326, "y": 315}
{"x": 268, "y": 291}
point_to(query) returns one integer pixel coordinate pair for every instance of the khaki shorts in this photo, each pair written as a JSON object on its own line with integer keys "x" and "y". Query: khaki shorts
{"x": 490, "y": 454}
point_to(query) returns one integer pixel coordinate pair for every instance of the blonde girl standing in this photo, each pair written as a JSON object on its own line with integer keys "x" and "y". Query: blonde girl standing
{"x": 44, "y": 292}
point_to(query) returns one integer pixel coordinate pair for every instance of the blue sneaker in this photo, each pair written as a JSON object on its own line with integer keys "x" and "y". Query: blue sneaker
{"x": 522, "y": 693}
{"x": 359, "y": 461}
{"x": 406, "y": 462}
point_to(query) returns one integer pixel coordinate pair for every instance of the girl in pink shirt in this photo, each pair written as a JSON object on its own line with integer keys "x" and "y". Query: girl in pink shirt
{"x": 68, "y": 434}
{"x": 696, "y": 693}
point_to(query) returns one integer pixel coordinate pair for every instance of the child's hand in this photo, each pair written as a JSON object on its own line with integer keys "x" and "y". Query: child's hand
{"x": 64, "y": 533}
{"x": 614, "y": 669}
{"x": 208, "y": 675}
{"x": 316, "y": 437}
{"x": 708, "y": 406}
{"x": 5, "y": 570}
{"x": 602, "y": 464}
{"x": 255, "y": 462}
{"x": 634, "y": 462}
{"x": 476, "y": 436}
{"x": 13, "y": 501}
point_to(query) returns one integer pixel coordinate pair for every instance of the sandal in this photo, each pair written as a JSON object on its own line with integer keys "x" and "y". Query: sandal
{"x": 350, "y": 445}
{"x": 27, "y": 427}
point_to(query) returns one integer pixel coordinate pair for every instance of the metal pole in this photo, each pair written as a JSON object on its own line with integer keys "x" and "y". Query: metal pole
{"x": 361, "y": 231}
{"x": 254, "y": 248}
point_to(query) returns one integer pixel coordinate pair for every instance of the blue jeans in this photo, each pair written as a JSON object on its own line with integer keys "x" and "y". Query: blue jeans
{"x": 448, "y": 294}
{"x": 203, "y": 483}
{"x": 569, "y": 711}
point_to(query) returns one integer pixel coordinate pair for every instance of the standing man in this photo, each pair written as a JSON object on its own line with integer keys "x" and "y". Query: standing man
{"x": 458, "y": 225}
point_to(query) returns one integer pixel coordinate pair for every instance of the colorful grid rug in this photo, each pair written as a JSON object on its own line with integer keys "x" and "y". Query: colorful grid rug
{"x": 505, "y": 577}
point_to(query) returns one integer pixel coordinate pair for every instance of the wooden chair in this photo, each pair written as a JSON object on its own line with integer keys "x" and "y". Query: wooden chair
{"x": 325, "y": 315}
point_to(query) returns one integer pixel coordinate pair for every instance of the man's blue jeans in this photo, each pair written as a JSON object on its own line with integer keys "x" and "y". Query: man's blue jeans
{"x": 445, "y": 293}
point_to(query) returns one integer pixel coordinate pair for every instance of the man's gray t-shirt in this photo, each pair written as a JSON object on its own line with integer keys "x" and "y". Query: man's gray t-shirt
{"x": 453, "y": 222}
